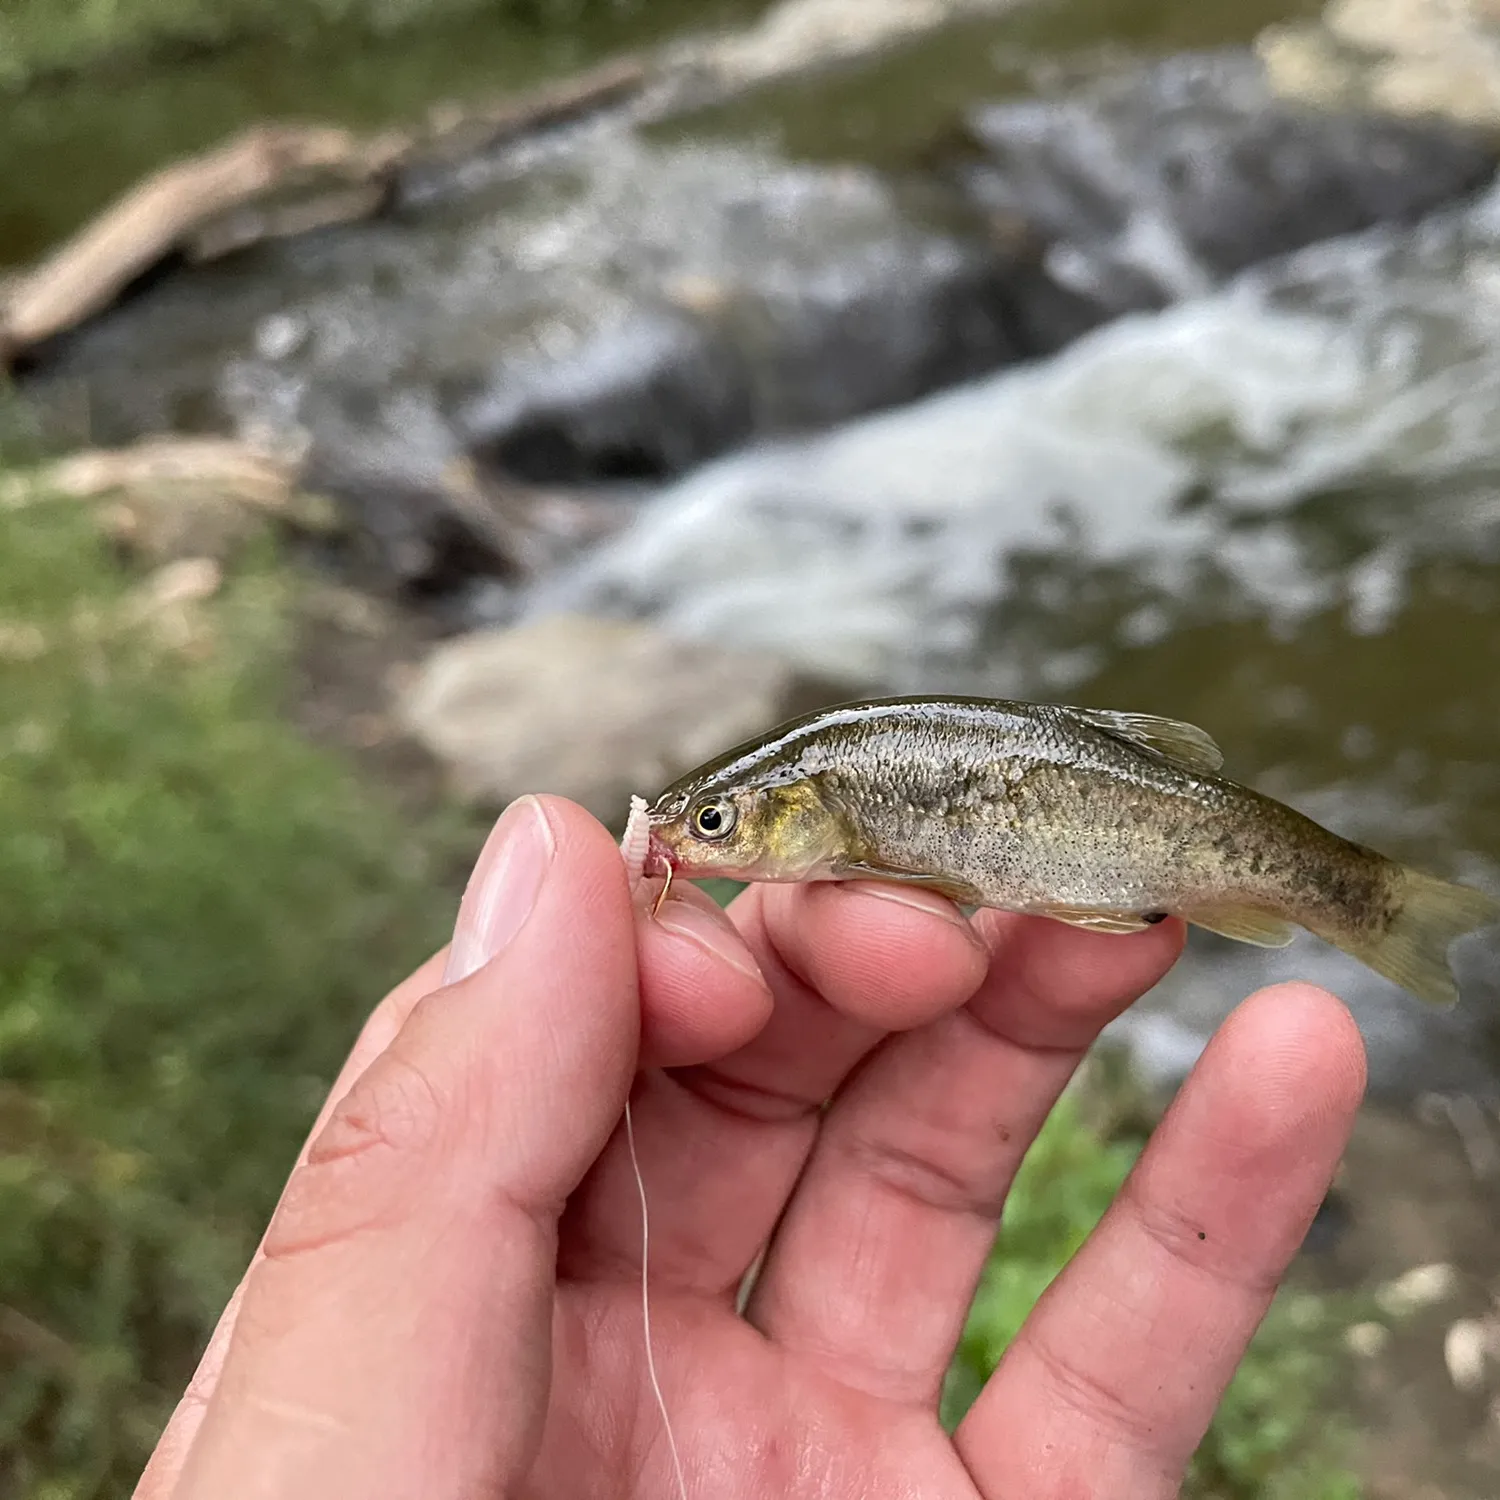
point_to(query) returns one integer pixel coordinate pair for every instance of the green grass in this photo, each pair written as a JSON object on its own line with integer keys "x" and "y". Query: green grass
{"x": 39, "y": 38}
{"x": 198, "y": 910}
{"x": 1274, "y": 1436}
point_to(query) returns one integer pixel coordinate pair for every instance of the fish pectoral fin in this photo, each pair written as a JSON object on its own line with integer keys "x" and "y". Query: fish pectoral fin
{"x": 956, "y": 890}
{"x": 1096, "y": 921}
{"x": 1185, "y": 744}
{"x": 1245, "y": 924}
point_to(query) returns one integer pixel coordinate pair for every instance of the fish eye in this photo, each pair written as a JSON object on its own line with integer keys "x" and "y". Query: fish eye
{"x": 714, "y": 820}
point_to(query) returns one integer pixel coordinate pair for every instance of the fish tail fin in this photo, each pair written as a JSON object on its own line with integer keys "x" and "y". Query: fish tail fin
{"x": 1413, "y": 950}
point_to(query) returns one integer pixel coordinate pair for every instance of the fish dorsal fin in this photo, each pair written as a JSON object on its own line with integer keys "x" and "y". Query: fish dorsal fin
{"x": 1185, "y": 744}
{"x": 1244, "y": 924}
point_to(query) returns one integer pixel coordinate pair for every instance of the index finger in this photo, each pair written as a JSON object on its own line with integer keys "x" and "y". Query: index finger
{"x": 1112, "y": 1382}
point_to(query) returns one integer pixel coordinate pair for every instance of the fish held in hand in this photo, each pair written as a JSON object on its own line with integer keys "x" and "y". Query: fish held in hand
{"x": 1109, "y": 821}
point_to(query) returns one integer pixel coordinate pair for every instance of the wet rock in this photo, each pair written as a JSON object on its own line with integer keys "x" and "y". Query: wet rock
{"x": 1158, "y": 184}
{"x": 770, "y": 298}
{"x": 1422, "y": 58}
{"x": 592, "y": 709}
{"x": 1420, "y": 1287}
{"x": 1467, "y": 1347}
{"x": 1367, "y": 1340}
{"x": 614, "y": 318}
{"x": 652, "y": 399}
{"x": 645, "y": 400}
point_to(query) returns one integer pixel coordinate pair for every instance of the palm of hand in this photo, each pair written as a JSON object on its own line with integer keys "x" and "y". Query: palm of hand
{"x": 751, "y": 1419}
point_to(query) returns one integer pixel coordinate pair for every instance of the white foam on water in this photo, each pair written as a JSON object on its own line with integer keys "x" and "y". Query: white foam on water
{"x": 1162, "y": 440}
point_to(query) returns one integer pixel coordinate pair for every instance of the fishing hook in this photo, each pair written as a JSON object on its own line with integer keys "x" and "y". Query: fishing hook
{"x": 666, "y": 886}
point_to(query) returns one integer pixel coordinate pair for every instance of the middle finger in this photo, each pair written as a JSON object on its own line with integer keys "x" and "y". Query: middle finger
{"x": 721, "y": 1144}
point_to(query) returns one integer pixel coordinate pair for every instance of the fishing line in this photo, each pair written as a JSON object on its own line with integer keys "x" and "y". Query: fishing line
{"x": 633, "y": 847}
{"x": 661, "y": 1400}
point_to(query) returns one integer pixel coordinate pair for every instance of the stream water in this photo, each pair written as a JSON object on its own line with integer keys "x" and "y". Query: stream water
{"x": 1270, "y": 507}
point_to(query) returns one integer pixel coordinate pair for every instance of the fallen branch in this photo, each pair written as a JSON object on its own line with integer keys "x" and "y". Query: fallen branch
{"x": 456, "y": 132}
{"x": 161, "y": 214}
{"x": 272, "y": 181}
{"x": 262, "y": 481}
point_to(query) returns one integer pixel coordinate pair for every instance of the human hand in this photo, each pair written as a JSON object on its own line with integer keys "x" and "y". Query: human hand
{"x": 447, "y": 1301}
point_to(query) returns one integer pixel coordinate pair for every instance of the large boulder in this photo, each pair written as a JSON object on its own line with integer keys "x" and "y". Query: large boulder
{"x": 1159, "y": 183}
{"x": 594, "y": 710}
{"x": 1431, "y": 59}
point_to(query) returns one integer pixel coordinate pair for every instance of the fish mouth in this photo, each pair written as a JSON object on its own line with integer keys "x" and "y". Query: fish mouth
{"x": 659, "y": 859}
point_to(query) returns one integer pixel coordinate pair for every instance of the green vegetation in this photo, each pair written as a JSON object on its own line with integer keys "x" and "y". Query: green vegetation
{"x": 45, "y": 37}
{"x": 199, "y": 908}
{"x": 1273, "y": 1437}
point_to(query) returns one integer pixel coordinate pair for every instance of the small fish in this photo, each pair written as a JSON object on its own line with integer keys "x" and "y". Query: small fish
{"x": 1109, "y": 821}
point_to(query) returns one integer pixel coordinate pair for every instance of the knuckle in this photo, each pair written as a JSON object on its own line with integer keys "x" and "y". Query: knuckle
{"x": 927, "y": 1180}
{"x": 1186, "y": 1239}
{"x": 393, "y": 1104}
{"x": 1101, "y": 1402}
{"x": 367, "y": 1165}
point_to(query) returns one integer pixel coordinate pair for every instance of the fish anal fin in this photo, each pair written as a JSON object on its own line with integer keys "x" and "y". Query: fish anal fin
{"x": 1184, "y": 744}
{"x": 1096, "y": 921}
{"x": 1245, "y": 924}
{"x": 956, "y": 890}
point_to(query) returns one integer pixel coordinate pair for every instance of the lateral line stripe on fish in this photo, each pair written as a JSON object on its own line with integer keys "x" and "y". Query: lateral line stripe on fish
{"x": 656, "y": 1390}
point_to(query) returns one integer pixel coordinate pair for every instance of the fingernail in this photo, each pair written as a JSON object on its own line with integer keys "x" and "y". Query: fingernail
{"x": 710, "y": 934}
{"x": 915, "y": 899}
{"x": 503, "y": 889}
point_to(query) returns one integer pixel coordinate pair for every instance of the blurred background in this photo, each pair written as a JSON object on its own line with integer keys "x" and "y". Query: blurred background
{"x": 412, "y": 403}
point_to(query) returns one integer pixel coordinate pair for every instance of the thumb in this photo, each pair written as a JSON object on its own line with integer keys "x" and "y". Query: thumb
{"x": 396, "y": 1337}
